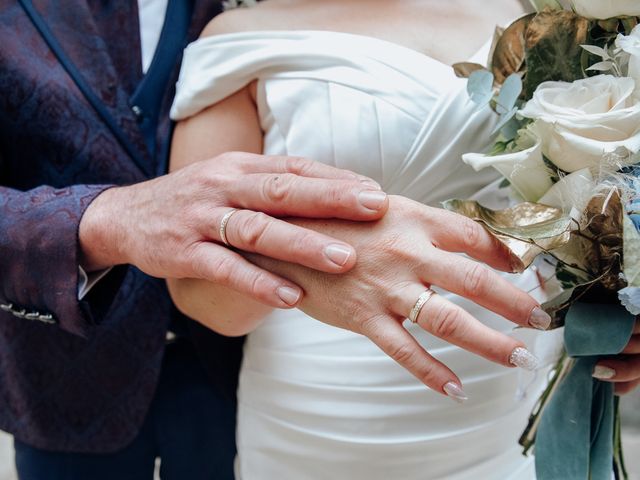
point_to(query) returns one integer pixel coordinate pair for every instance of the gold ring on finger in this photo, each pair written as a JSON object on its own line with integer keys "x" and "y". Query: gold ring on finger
{"x": 223, "y": 226}
{"x": 421, "y": 302}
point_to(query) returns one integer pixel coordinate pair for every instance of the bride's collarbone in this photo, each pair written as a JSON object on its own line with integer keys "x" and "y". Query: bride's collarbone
{"x": 448, "y": 31}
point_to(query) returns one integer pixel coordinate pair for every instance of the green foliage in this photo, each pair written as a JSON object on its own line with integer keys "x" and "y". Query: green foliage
{"x": 553, "y": 48}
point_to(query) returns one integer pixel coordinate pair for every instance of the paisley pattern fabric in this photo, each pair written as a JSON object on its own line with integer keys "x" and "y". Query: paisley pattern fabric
{"x": 85, "y": 383}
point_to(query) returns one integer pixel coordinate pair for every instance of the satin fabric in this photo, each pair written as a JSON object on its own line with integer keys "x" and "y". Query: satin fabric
{"x": 317, "y": 402}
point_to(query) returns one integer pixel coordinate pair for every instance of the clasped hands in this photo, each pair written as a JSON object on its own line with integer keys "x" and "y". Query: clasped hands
{"x": 169, "y": 227}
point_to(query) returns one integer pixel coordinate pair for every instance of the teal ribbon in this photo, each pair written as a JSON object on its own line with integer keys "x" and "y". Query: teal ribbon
{"x": 574, "y": 440}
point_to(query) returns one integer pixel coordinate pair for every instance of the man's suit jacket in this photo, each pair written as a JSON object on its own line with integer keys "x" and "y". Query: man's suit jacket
{"x": 74, "y": 375}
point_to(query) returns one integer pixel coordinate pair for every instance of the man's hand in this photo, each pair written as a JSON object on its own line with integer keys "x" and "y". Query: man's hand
{"x": 169, "y": 227}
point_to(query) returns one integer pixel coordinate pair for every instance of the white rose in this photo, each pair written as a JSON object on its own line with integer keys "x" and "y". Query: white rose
{"x": 631, "y": 44}
{"x": 602, "y": 9}
{"x": 587, "y": 122}
{"x": 525, "y": 169}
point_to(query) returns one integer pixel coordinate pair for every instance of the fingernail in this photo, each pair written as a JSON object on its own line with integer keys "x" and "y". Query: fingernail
{"x": 539, "y": 319}
{"x": 455, "y": 392}
{"x": 373, "y": 200}
{"x": 370, "y": 183}
{"x": 289, "y": 295}
{"x": 523, "y": 358}
{"x": 603, "y": 373}
{"x": 338, "y": 254}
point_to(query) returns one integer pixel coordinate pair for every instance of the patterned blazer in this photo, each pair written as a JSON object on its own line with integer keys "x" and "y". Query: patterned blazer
{"x": 74, "y": 375}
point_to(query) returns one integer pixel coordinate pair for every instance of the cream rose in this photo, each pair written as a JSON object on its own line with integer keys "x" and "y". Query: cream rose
{"x": 602, "y": 9}
{"x": 525, "y": 169}
{"x": 631, "y": 45}
{"x": 586, "y": 123}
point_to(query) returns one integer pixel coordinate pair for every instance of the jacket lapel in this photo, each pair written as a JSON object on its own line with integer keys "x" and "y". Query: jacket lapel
{"x": 73, "y": 27}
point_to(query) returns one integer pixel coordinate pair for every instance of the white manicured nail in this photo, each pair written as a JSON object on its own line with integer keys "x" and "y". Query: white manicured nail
{"x": 455, "y": 392}
{"x": 539, "y": 319}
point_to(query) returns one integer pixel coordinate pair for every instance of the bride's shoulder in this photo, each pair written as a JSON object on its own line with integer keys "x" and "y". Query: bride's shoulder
{"x": 237, "y": 20}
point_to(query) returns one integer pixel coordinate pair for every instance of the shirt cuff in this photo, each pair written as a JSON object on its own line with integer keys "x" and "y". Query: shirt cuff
{"x": 86, "y": 281}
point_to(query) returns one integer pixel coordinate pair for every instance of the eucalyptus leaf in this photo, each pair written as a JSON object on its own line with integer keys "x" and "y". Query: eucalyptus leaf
{"x": 510, "y": 130}
{"x": 553, "y": 48}
{"x": 509, "y": 93}
{"x": 480, "y": 87}
{"x": 505, "y": 118}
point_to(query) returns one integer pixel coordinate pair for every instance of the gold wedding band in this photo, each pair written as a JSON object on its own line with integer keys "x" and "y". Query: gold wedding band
{"x": 421, "y": 302}
{"x": 223, "y": 226}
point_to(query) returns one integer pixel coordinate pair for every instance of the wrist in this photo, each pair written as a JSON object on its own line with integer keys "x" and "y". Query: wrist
{"x": 101, "y": 238}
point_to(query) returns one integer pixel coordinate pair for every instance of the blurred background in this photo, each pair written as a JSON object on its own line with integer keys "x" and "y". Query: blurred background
{"x": 631, "y": 422}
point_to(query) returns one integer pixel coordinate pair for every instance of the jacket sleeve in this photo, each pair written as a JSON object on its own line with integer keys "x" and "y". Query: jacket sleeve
{"x": 39, "y": 256}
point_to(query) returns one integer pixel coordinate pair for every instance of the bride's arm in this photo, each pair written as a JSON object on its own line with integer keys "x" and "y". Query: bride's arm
{"x": 230, "y": 125}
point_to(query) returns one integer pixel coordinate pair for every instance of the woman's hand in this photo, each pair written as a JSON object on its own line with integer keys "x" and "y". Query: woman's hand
{"x": 400, "y": 256}
{"x": 623, "y": 369}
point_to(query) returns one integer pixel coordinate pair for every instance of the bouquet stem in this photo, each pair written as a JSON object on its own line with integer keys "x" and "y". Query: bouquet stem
{"x": 559, "y": 372}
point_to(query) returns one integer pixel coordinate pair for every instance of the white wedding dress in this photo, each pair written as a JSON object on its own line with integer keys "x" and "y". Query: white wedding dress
{"x": 317, "y": 402}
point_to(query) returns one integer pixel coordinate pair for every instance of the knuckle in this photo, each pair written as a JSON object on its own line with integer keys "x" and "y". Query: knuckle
{"x": 258, "y": 285}
{"x": 297, "y": 165}
{"x": 250, "y": 229}
{"x": 475, "y": 279}
{"x": 221, "y": 270}
{"x": 278, "y": 187}
{"x": 403, "y": 354}
{"x": 471, "y": 233}
{"x": 446, "y": 322}
{"x": 304, "y": 242}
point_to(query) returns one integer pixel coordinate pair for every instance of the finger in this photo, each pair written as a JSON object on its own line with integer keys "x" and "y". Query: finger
{"x": 626, "y": 387}
{"x": 300, "y": 166}
{"x": 633, "y": 346}
{"x": 455, "y": 325}
{"x": 220, "y": 265}
{"x": 291, "y": 195}
{"x": 483, "y": 286}
{"x": 257, "y": 232}
{"x": 620, "y": 368}
{"x": 396, "y": 342}
{"x": 455, "y": 233}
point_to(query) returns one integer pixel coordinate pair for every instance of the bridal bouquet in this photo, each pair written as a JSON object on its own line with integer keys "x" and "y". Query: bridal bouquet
{"x": 565, "y": 82}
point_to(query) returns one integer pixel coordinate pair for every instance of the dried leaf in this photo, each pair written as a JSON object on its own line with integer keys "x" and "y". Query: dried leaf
{"x": 509, "y": 53}
{"x": 526, "y": 229}
{"x": 553, "y": 48}
{"x": 464, "y": 69}
{"x": 605, "y": 231}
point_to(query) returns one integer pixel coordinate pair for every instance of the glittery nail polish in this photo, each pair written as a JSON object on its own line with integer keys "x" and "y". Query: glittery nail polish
{"x": 523, "y": 358}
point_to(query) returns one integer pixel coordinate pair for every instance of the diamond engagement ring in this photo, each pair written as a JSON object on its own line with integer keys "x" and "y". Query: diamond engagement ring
{"x": 223, "y": 226}
{"x": 421, "y": 302}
